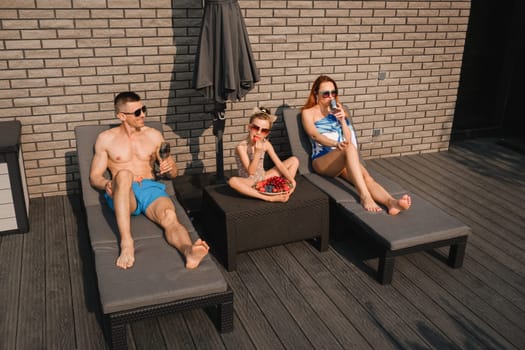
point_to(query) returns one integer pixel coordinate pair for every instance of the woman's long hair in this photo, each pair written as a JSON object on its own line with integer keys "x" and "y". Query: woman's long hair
{"x": 312, "y": 98}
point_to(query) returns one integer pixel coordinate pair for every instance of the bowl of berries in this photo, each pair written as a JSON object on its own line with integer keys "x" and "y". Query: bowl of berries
{"x": 273, "y": 186}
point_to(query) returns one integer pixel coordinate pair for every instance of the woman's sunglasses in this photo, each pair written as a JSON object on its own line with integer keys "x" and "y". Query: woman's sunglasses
{"x": 327, "y": 93}
{"x": 258, "y": 128}
{"x": 138, "y": 111}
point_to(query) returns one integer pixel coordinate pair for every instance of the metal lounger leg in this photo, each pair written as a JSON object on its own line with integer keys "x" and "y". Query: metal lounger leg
{"x": 226, "y": 317}
{"x": 456, "y": 254}
{"x": 385, "y": 269}
{"x": 118, "y": 336}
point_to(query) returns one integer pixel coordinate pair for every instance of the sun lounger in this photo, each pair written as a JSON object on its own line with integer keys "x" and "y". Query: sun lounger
{"x": 423, "y": 227}
{"x": 158, "y": 283}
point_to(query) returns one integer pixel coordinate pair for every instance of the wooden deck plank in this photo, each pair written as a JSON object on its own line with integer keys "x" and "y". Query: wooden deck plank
{"x": 31, "y": 314}
{"x": 314, "y": 329}
{"x": 504, "y": 187}
{"x": 175, "y": 332}
{"x": 497, "y": 192}
{"x": 491, "y": 315}
{"x": 251, "y": 316}
{"x": 130, "y": 339}
{"x": 488, "y": 290}
{"x": 509, "y": 160}
{"x": 353, "y": 279}
{"x": 488, "y": 261}
{"x": 203, "y": 330}
{"x": 466, "y": 201}
{"x": 368, "y": 326}
{"x": 314, "y": 296}
{"x": 456, "y": 336}
{"x": 483, "y": 202}
{"x": 271, "y": 306}
{"x": 394, "y": 300}
{"x": 60, "y": 331}
{"x": 147, "y": 334}
{"x": 10, "y": 269}
{"x": 495, "y": 282}
{"x": 239, "y": 338}
{"x": 478, "y": 330}
{"x": 502, "y": 166}
{"x": 86, "y": 309}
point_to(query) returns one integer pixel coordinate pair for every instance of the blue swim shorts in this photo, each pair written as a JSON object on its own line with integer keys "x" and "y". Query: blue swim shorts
{"x": 146, "y": 192}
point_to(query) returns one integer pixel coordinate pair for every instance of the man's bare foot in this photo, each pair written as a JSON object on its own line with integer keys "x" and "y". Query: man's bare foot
{"x": 398, "y": 205}
{"x": 126, "y": 258}
{"x": 369, "y": 205}
{"x": 199, "y": 250}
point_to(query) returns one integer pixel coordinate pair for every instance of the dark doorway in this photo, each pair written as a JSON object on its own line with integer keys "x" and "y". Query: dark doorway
{"x": 492, "y": 72}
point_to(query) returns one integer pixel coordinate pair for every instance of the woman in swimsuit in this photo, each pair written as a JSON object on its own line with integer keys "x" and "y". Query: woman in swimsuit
{"x": 249, "y": 155}
{"x": 334, "y": 147}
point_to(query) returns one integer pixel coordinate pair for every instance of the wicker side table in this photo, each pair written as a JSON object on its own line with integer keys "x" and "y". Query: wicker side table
{"x": 234, "y": 223}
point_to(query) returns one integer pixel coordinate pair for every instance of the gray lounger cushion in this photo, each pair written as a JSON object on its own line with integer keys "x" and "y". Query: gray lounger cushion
{"x": 142, "y": 227}
{"x": 422, "y": 224}
{"x": 159, "y": 275}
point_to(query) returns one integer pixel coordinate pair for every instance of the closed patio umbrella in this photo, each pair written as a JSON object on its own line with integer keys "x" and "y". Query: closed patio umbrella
{"x": 224, "y": 66}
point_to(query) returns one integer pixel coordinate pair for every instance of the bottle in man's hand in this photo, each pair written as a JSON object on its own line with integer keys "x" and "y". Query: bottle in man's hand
{"x": 164, "y": 150}
{"x": 164, "y": 153}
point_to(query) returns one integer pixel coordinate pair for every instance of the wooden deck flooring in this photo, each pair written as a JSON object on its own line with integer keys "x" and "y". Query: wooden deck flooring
{"x": 294, "y": 297}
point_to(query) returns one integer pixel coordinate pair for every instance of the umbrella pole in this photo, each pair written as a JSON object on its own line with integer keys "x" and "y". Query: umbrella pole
{"x": 218, "y": 131}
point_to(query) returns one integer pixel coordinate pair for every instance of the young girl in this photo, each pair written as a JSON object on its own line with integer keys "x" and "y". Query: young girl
{"x": 249, "y": 155}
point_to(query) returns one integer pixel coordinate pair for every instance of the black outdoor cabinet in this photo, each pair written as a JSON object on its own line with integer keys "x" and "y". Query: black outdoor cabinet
{"x": 14, "y": 200}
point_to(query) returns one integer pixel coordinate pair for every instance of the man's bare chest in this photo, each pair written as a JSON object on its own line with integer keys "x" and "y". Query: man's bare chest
{"x": 126, "y": 152}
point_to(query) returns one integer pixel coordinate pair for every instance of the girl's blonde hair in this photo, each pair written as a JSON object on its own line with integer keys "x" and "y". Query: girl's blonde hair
{"x": 264, "y": 114}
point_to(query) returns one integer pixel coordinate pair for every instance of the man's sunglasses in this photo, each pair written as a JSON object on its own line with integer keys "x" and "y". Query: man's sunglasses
{"x": 138, "y": 111}
{"x": 258, "y": 128}
{"x": 327, "y": 93}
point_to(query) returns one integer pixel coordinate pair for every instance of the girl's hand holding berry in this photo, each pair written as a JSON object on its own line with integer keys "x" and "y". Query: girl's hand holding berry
{"x": 259, "y": 144}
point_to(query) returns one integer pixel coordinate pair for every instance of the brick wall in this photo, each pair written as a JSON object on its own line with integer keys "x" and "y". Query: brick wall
{"x": 63, "y": 61}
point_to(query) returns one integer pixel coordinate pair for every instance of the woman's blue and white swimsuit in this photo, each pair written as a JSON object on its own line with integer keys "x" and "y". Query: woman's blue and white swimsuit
{"x": 330, "y": 127}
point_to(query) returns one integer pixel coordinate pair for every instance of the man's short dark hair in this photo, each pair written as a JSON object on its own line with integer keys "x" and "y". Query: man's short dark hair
{"x": 125, "y": 97}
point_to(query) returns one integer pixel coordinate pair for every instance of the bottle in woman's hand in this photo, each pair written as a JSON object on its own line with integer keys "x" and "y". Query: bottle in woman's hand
{"x": 333, "y": 105}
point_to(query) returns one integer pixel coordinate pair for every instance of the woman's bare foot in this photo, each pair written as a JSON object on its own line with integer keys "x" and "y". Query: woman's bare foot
{"x": 369, "y": 205}
{"x": 199, "y": 250}
{"x": 126, "y": 258}
{"x": 398, "y": 205}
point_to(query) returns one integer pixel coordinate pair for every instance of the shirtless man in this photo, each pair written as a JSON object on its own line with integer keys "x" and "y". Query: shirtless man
{"x": 130, "y": 151}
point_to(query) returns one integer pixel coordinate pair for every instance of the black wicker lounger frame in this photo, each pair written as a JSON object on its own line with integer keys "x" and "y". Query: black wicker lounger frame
{"x": 158, "y": 283}
{"x": 421, "y": 228}
{"x": 223, "y": 301}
